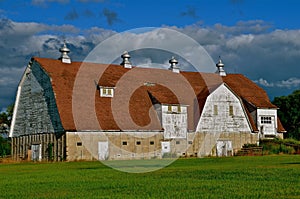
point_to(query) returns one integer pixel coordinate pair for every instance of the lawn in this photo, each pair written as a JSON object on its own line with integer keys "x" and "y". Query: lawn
{"x": 234, "y": 177}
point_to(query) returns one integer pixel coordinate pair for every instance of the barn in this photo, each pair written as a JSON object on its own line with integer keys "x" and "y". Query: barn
{"x": 67, "y": 110}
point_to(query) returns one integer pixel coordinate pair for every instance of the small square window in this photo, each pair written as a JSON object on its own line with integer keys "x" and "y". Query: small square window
{"x": 124, "y": 143}
{"x": 215, "y": 110}
{"x": 151, "y": 142}
{"x": 138, "y": 142}
{"x": 106, "y": 91}
{"x": 177, "y": 142}
{"x": 190, "y": 142}
{"x": 109, "y": 91}
{"x": 79, "y": 144}
{"x": 179, "y": 109}
{"x": 231, "y": 110}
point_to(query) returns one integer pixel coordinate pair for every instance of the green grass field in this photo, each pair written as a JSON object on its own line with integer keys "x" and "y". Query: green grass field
{"x": 234, "y": 177}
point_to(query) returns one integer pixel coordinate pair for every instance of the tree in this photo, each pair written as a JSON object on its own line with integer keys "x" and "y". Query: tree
{"x": 289, "y": 113}
{"x": 5, "y": 147}
{"x": 5, "y": 121}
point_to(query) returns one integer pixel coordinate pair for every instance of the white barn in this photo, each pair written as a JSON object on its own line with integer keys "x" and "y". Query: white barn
{"x": 132, "y": 112}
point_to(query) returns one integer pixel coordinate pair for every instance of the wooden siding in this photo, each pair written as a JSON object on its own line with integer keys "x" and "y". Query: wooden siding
{"x": 37, "y": 110}
{"x": 217, "y": 120}
{"x": 52, "y": 148}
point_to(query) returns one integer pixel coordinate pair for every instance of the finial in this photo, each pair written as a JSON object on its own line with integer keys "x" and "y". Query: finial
{"x": 220, "y": 66}
{"x": 173, "y": 65}
{"x": 64, "y": 54}
{"x": 126, "y": 63}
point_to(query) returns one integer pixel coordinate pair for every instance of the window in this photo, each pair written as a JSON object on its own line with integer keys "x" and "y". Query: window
{"x": 79, "y": 144}
{"x": 215, "y": 110}
{"x": 106, "y": 91}
{"x": 138, "y": 142}
{"x": 124, "y": 143}
{"x": 178, "y": 108}
{"x": 190, "y": 142}
{"x": 231, "y": 110}
{"x": 266, "y": 120}
{"x": 177, "y": 142}
{"x": 174, "y": 109}
{"x": 151, "y": 142}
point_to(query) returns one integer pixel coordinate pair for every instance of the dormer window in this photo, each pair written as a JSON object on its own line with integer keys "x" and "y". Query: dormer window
{"x": 106, "y": 91}
{"x": 174, "y": 108}
{"x": 266, "y": 120}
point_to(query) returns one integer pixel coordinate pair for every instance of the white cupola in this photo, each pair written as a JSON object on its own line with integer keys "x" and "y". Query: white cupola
{"x": 220, "y": 67}
{"x": 126, "y": 63}
{"x": 64, "y": 57}
{"x": 173, "y": 65}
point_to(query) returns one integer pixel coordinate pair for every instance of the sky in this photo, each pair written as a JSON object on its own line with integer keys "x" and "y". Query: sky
{"x": 257, "y": 38}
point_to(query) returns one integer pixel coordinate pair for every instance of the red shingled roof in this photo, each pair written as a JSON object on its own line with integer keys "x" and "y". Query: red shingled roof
{"x": 144, "y": 96}
{"x": 248, "y": 90}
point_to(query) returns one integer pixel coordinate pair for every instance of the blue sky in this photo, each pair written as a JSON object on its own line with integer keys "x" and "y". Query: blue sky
{"x": 128, "y": 14}
{"x": 258, "y": 38}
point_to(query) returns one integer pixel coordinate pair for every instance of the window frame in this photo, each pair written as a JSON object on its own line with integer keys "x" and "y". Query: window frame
{"x": 231, "y": 113}
{"x": 106, "y": 91}
{"x": 266, "y": 119}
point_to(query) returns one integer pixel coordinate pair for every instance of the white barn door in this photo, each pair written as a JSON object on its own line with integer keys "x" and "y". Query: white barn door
{"x": 165, "y": 147}
{"x": 103, "y": 151}
{"x": 224, "y": 148}
{"x": 36, "y": 152}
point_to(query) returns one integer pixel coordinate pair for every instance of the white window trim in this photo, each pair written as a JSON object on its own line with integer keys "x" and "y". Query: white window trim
{"x": 106, "y": 91}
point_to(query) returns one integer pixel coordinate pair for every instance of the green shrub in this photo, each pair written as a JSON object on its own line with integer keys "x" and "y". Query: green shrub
{"x": 280, "y": 146}
{"x": 5, "y": 147}
{"x": 248, "y": 145}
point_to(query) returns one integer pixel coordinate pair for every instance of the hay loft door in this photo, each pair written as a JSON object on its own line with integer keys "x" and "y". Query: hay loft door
{"x": 103, "y": 152}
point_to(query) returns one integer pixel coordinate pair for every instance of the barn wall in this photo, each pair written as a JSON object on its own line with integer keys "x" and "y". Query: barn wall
{"x": 84, "y": 145}
{"x": 174, "y": 121}
{"x": 223, "y": 112}
{"x": 267, "y": 129}
{"x": 52, "y": 148}
{"x": 37, "y": 111}
{"x": 203, "y": 144}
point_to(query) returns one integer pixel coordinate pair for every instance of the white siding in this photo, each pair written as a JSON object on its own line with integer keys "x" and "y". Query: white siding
{"x": 217, "y": 117}
{"x": 267, "y": 129}
{"x": 174, "y": 121}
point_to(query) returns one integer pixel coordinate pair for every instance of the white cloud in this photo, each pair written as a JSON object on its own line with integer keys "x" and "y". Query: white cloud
{"x": 263, "y": 82}
{"x": 292, "y": 82}
{"x": 10, "y": 75}
{"x": 289, "y": 83}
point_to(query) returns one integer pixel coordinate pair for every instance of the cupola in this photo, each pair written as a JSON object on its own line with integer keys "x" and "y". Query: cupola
{"x": 173, "y": 65}
{"x": 126, "y": 63}
{"x": 64, "y": 57}
{"x": 220, "y": 67}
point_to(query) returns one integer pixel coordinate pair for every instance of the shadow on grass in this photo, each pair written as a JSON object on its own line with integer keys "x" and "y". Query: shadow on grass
{"x": 291, "y": 163}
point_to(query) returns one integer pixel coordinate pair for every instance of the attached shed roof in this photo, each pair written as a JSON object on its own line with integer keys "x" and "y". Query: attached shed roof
{"x": 146, "y": 87}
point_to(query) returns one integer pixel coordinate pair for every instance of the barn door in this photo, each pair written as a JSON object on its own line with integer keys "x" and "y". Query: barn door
{"x": 36, "y": 152}
{"x": 103, "y": 152}
{"x": 165, "y": 147}
{"x": 224, "y": 148}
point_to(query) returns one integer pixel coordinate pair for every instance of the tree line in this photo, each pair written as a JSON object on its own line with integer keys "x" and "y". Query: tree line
{"x": 289, "y": 113}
